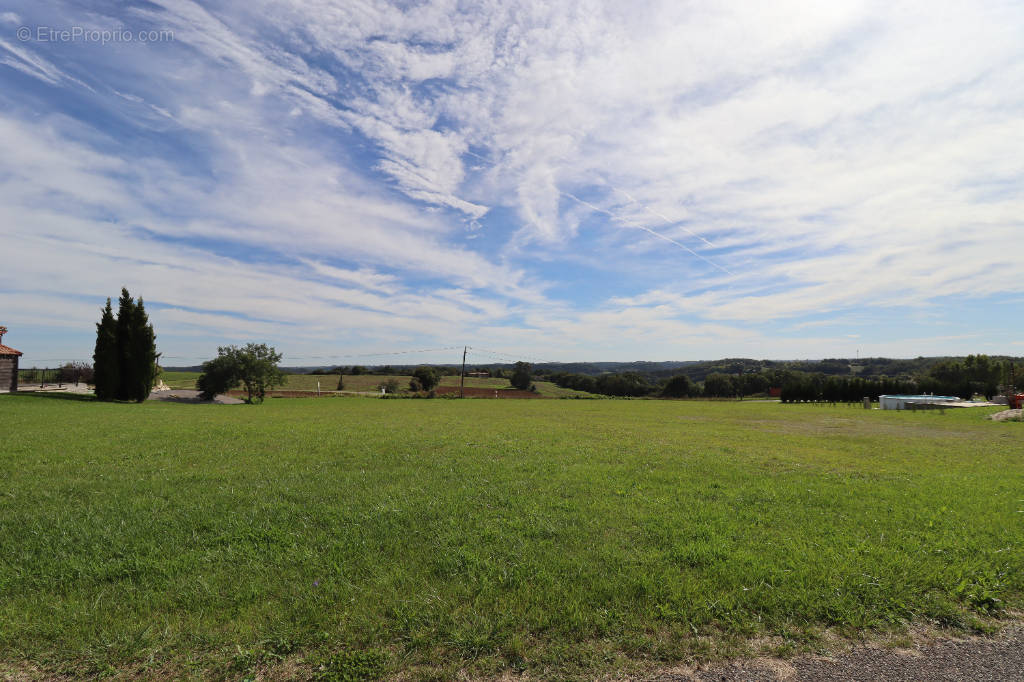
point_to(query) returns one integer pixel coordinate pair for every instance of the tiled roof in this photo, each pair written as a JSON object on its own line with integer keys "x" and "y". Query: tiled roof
{"x": 7, "y": 350}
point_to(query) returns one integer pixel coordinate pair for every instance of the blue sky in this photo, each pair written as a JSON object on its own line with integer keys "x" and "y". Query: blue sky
{"x": 583, "y": 181}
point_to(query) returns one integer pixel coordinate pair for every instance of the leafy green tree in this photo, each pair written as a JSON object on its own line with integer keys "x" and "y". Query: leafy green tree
{"x": 718, "y": 385}
{"x": 628, "y": 384}
{"x": 424, "y": 379}
{"x": 521, "y": 374}
{"x": 106, "y": 366}
{"x": 751, "y": 383}
{"x": 255, "y": 366}
{"x": 220, "y": 375}
{"x": 678, "y": 386}
{"x": 258, "y": 369}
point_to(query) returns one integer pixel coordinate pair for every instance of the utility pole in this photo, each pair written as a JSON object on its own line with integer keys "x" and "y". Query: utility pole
{"x": 462, "y": 377}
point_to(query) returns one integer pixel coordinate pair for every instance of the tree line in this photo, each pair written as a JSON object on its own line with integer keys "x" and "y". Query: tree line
{"x": 973, "y": 375}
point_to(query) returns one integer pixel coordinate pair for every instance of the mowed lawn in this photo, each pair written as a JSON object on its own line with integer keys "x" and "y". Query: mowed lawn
{"x": 357, "y": 538}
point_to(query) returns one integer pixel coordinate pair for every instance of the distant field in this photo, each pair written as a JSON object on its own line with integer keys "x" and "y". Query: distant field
{"x": 545, "y": 388}
{"x": 436, "y": 538}
{"x": 370, "y": 382}
{"x": 179, "y": 379}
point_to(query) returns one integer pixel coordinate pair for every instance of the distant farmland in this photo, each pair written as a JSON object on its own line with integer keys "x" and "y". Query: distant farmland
{"x": 428, "y": 539}
{"x": 364, "y": 383}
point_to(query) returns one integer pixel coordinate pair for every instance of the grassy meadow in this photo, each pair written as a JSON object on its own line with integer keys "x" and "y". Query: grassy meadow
{"x": 179, "y": 379}
{"x": 356, "y": 539}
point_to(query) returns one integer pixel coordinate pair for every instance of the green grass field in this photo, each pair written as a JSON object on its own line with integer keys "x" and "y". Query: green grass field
{"x": 370, "y": 382}
{"x": 179, "y": 379}
{"x": 356, "y": 538}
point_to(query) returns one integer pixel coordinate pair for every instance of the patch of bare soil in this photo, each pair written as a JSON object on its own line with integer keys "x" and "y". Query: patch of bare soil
{"x": 921, "y": 655}
{"x": 1008, "y": 415}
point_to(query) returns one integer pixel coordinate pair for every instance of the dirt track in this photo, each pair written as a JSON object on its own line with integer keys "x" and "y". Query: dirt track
{"x": 996, "y": 658}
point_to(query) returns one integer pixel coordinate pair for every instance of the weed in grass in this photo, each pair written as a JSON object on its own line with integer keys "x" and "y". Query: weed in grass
{"x": 352, "y": 666}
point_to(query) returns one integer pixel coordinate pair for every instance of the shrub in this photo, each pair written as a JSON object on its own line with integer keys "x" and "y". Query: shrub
{"x": 220, "y": 375}
{"x": 678, "y": 386}
{"x": 424, "y": 379}
{"x": 521, "y": 376}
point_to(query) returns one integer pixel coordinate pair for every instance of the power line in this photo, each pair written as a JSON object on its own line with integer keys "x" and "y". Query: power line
{"x": 509, "y": 356}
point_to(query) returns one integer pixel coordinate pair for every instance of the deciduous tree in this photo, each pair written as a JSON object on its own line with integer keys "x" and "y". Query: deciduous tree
{"x": 521, "y": 375}
{"x": 424, "y": 379}
{"x": 255, "y": 366}
{"x": 678, "y": 386}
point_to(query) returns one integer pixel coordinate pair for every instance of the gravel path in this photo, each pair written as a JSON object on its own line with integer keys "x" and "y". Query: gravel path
{"x": 996, "y": 658}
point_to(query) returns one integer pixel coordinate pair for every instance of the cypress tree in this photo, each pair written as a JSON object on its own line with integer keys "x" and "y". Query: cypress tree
{"x": 143, "y": 355}
{"x": 128, "y": 372}
{"x": 125, "y": 357}
{"x": 106, "y": 368}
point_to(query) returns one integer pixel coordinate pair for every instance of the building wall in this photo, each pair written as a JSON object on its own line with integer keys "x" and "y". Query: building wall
{"x": 8, "y": 373}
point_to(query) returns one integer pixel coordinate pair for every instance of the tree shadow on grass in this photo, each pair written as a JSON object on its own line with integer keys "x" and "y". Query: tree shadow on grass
{"x": 185, "y": 396}
{"x": 56, "y": 395}
{"x": 88, "y": 397}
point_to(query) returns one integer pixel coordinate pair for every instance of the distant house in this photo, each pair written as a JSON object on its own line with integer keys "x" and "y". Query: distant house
{"x": 8, "y": 365}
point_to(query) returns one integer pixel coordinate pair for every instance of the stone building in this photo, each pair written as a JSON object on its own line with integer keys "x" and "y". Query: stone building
{"x": 8, "y": 365}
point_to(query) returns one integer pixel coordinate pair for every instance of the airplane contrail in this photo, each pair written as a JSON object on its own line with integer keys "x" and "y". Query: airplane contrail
{"x": 662, "y": 216}
{"x": 647, "y": 229}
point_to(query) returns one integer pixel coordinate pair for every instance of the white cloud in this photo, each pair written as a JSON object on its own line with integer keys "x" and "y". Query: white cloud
{"x": 785, "y": 161}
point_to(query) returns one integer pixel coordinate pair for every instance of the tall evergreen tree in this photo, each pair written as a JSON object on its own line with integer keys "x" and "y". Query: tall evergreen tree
{"x": 128, "y": 373}
{"x": 142, "y": 355}
{"x": 125, "y": 358}
{"x": 106, "y": 365}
